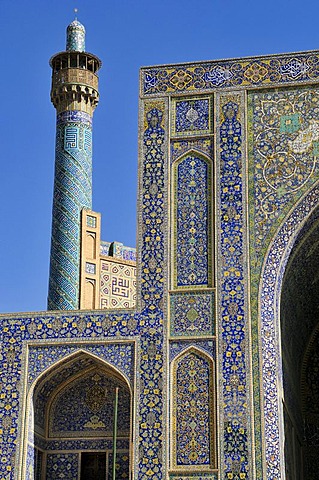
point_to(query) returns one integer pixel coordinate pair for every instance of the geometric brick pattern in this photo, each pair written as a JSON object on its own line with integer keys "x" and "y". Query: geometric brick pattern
{"x": 118, "y": 285}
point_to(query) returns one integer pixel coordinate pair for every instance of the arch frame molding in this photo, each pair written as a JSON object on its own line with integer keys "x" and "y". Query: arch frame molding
{"x": 271, "y": 374}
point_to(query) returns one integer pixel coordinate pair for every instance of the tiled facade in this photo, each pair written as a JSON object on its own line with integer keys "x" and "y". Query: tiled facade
{"x": 227, "y": 269}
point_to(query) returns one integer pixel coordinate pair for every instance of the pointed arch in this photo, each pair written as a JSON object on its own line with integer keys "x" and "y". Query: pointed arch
{"x": 81, "y": 350}
{"x": 195, "y": 152}
{"x": 193, "y": 411}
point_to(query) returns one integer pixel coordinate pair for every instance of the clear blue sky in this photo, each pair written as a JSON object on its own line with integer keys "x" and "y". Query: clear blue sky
{"x": 126, "y": 35}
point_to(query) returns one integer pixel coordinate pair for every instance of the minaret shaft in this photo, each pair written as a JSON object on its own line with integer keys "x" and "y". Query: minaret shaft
{"x": 75, "y": 95}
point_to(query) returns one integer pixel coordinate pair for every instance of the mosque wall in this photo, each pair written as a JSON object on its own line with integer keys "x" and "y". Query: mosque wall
{"x": 266, "y": 172}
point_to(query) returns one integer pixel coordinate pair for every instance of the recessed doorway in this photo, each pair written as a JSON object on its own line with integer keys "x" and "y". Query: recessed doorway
{"x": 93, "y": 466}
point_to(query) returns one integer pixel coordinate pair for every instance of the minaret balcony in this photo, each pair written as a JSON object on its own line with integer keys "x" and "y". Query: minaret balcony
{"x": 75, "y": 76}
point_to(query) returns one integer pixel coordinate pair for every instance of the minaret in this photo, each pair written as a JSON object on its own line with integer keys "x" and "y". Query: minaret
{"x": 75, "y": 95}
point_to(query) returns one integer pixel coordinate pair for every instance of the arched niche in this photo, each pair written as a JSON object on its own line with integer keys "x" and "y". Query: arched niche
{"x": 90, "y": 245}
{"x": 191, "y": 201}
{"x": 89, "y": 293}
{"x": 281, "y": 340}
{"x": 71, "y": 420}
{"x": 193, "y": 427}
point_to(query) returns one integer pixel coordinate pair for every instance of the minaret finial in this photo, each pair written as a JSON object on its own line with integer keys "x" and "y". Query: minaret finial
{"x": 75, "y": 36}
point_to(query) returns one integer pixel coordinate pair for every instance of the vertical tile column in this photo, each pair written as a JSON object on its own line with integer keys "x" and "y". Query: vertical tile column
{"x": 234, "y": 344}
{"x": 192, "y": 290}
{"x": 152, "y": 278}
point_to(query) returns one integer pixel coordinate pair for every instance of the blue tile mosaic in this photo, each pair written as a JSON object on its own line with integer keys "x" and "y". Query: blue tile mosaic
{"x": 151, "y": 455}
{"x": 87, "y": 444}
{"x": 193, "y": 416}
{"x": 62, "y": 465}
{"x": 119, "y": 355}
{"x": 191, "y": 116}
{"x": 203, "y": 476}
{"x": 201, "y": 145}
{"x": 192, "y": 314}
{"x": 237, "y": 458}
{"x": 284, "y": 131}
{"x": 283, "y": 167}
{"x": 283, "y": 144}
{"x": 41, "y": 356}
{"x": 75, "y": 37}
{"x": 121, "y": 466}
{"x": 271, "y": 282}
{"x": 192, "y": 209}
{"x": 85, "y": 407}
{"x": 207, "y": 346}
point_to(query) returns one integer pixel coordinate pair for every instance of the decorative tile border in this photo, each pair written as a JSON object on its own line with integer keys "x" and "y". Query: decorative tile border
{"x": 202, "y": 476}
{"x": 283, "y": 166}
{"x": 242, "y": 73}
{"x": 193, "y": 418}
{"x": 181, "y": 146}
{"x": 191, "y": 222}
{"x": 87, "y": 444}
{"x": 152, "y": 278}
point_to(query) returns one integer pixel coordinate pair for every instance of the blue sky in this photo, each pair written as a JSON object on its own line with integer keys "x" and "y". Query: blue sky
{"x": 126, "y": 35}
